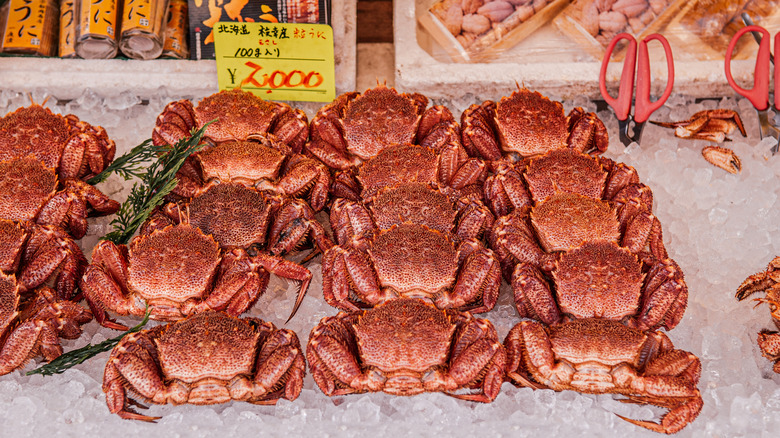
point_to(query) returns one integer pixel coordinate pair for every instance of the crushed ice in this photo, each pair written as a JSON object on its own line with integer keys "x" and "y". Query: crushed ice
{"x": 719, "y": 228}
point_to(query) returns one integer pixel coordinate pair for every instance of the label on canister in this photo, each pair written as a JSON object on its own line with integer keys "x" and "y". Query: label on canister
{"x": 96, "y": 33}
{"x": 67, "y": 29}
{"x": 25, "y": 27}
{"x": 175, "y": 45}
{"x": 142, "y": 28}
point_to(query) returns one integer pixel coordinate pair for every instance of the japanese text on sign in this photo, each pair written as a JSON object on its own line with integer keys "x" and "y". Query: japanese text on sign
{"x": 281, "y": 61}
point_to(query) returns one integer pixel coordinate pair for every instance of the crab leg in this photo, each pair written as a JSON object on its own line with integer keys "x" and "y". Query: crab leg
{"x": 279, "y": 360}
{"x": 533, "y": 297}
{"x": 476, "y": 353}
{"x": 480, "y": 274}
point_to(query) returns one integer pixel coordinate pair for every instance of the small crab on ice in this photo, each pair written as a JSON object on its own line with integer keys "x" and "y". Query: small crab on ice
{"x": 596, "y": 356}
{"x": 526, "y": 124}
{"x": 768, "y": 281}
{"x": 208, "y": 358}
{"x": 73, "y": 148}
{"x": 356, "y": 127}
{"x": 406, "y": 347}
{"x": 177, "y": 271}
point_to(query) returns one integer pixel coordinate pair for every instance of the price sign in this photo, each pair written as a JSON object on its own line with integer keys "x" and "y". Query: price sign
{"x": 279, "y": 61}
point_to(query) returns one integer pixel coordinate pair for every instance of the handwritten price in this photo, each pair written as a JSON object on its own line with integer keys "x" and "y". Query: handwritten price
{"x": 281, "y": 79}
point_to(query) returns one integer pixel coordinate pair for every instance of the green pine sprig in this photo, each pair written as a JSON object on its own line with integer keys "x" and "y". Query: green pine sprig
{"x": 131, "y": 164}
{"x": 75, "y": 357}
{"x": 157, "y": 181}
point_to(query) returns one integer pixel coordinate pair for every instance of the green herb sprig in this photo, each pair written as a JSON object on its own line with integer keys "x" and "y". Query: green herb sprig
{"x": 131, "y": 164}
{"x": 75, "y": 357}
{"x": 156, "y": 182}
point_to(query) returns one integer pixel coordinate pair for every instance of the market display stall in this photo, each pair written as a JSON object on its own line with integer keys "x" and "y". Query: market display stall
{"x": 719, "y": 227}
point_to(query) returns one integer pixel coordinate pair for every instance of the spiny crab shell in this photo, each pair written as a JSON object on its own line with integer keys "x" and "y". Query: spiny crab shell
{"x": 33, "y": 321}
{"x": 237, "y": 115}
{"x": 178, "y": 271}
{"x": 405, "y": 347}
{"x": 75, "y": 149}
{"x": 30, "y": 193}
{"x": 525, "y": 124}
{"x": 598, "y": 356}
{"x": 357, "y": 127}
{"x": 207, "y": 358}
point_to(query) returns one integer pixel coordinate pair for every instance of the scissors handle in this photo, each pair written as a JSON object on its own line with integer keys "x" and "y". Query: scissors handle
{"x": 644, "y": 106}
{"x": 621, "y": 105}
{"x": 759, "y": 94}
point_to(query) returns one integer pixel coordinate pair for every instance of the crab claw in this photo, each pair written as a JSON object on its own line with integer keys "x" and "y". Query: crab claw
{"x": 676, "y": 419}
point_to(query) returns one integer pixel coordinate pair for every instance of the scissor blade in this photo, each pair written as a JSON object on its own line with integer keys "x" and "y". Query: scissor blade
{"x": 624, "y": 127}
{"x": 768, "y": 129}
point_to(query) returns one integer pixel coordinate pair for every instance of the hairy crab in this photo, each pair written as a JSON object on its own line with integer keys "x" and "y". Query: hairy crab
{"x": 32, "y": 192}
{"x": 525, "y": 124}
{"x": 602, "y": 280}
{"x": 75, "y": 149}
{"x": 39, "y": 255}
{"x": 237, "y": 115}
{"x": 768, "y": 281}
{"x": 238, "y": 216}
{"x": 597, "y": 356}
{"x": 208, "y": 358}
{"x": 406, "y": 347}
{"x": 177, "y": 271}
{"x": 33, "y": 321}
{"x": 357, "y": 127}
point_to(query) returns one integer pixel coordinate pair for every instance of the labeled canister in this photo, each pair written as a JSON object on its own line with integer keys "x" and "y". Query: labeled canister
{"x": 67, "y": 45}
{"x": 303, "y": 11}
{"x": 176, "y": 31}
{"x": 31, "y": 27}
{"x": 143, "y": 26}
{"x": 96, "y": 31}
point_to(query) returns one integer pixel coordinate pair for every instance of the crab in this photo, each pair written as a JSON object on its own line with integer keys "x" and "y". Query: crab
{"x": 238, "y": 216}
{"x": 75, "y": 149}
{"x": 265, "y": 163}
{"x": 177, "y": 271}
{"x": 599, "y": 279}
{"x": 597, "y": 356}
{"x": 713, "y": 125}
{"x": 208, "y": 358}
{"x": 768, "y": 281}
{"x": 357, "y": 127}
{"x": 525, "y": 124}
{"x": 406, "y": 347}
{"x": 32, "y": 192}
{"x": 236, "y": 115}
{"x": 33, "y": 321}
{"x": 40, "y": 254}
{"x": 402, "y": 242}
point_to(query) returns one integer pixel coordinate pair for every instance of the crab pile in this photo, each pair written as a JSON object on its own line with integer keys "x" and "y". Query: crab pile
{"x": 45, "y": 159}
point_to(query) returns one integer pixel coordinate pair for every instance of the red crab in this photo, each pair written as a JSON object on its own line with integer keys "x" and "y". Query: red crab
{"x": 207, "y": 358}
{"x": 406, "y": 347}
{"x": 31, "y": 192}
{"x": 74, "y": 149}
{"x": 525, "y": 124}
{"x": 237, "y": 115}
{"x": 597, "y": 356}
{"x": 40, "y": 254}
{"x": 767, "y": 281}
{"x": 32, "y": 323}
{"x": 357, "y": 127}
{"x": 177, "y": 271}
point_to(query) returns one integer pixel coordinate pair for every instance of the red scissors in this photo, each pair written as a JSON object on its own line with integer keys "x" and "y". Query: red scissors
{"x": 643, "y": 106}
{"x": 759, "y": 94}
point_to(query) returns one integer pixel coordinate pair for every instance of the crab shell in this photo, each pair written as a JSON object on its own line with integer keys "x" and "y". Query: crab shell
{"x": 207, "y": 358}
{"x": 598, "y": 356}
{"x": 530, "y": 124}
{"x": 74, "y": 148}
{"x": 32, "y": 323}
{"x": 406, "y": 347}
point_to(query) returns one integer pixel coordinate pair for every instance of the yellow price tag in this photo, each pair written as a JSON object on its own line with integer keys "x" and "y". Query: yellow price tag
{"x": 276, "y": 61}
